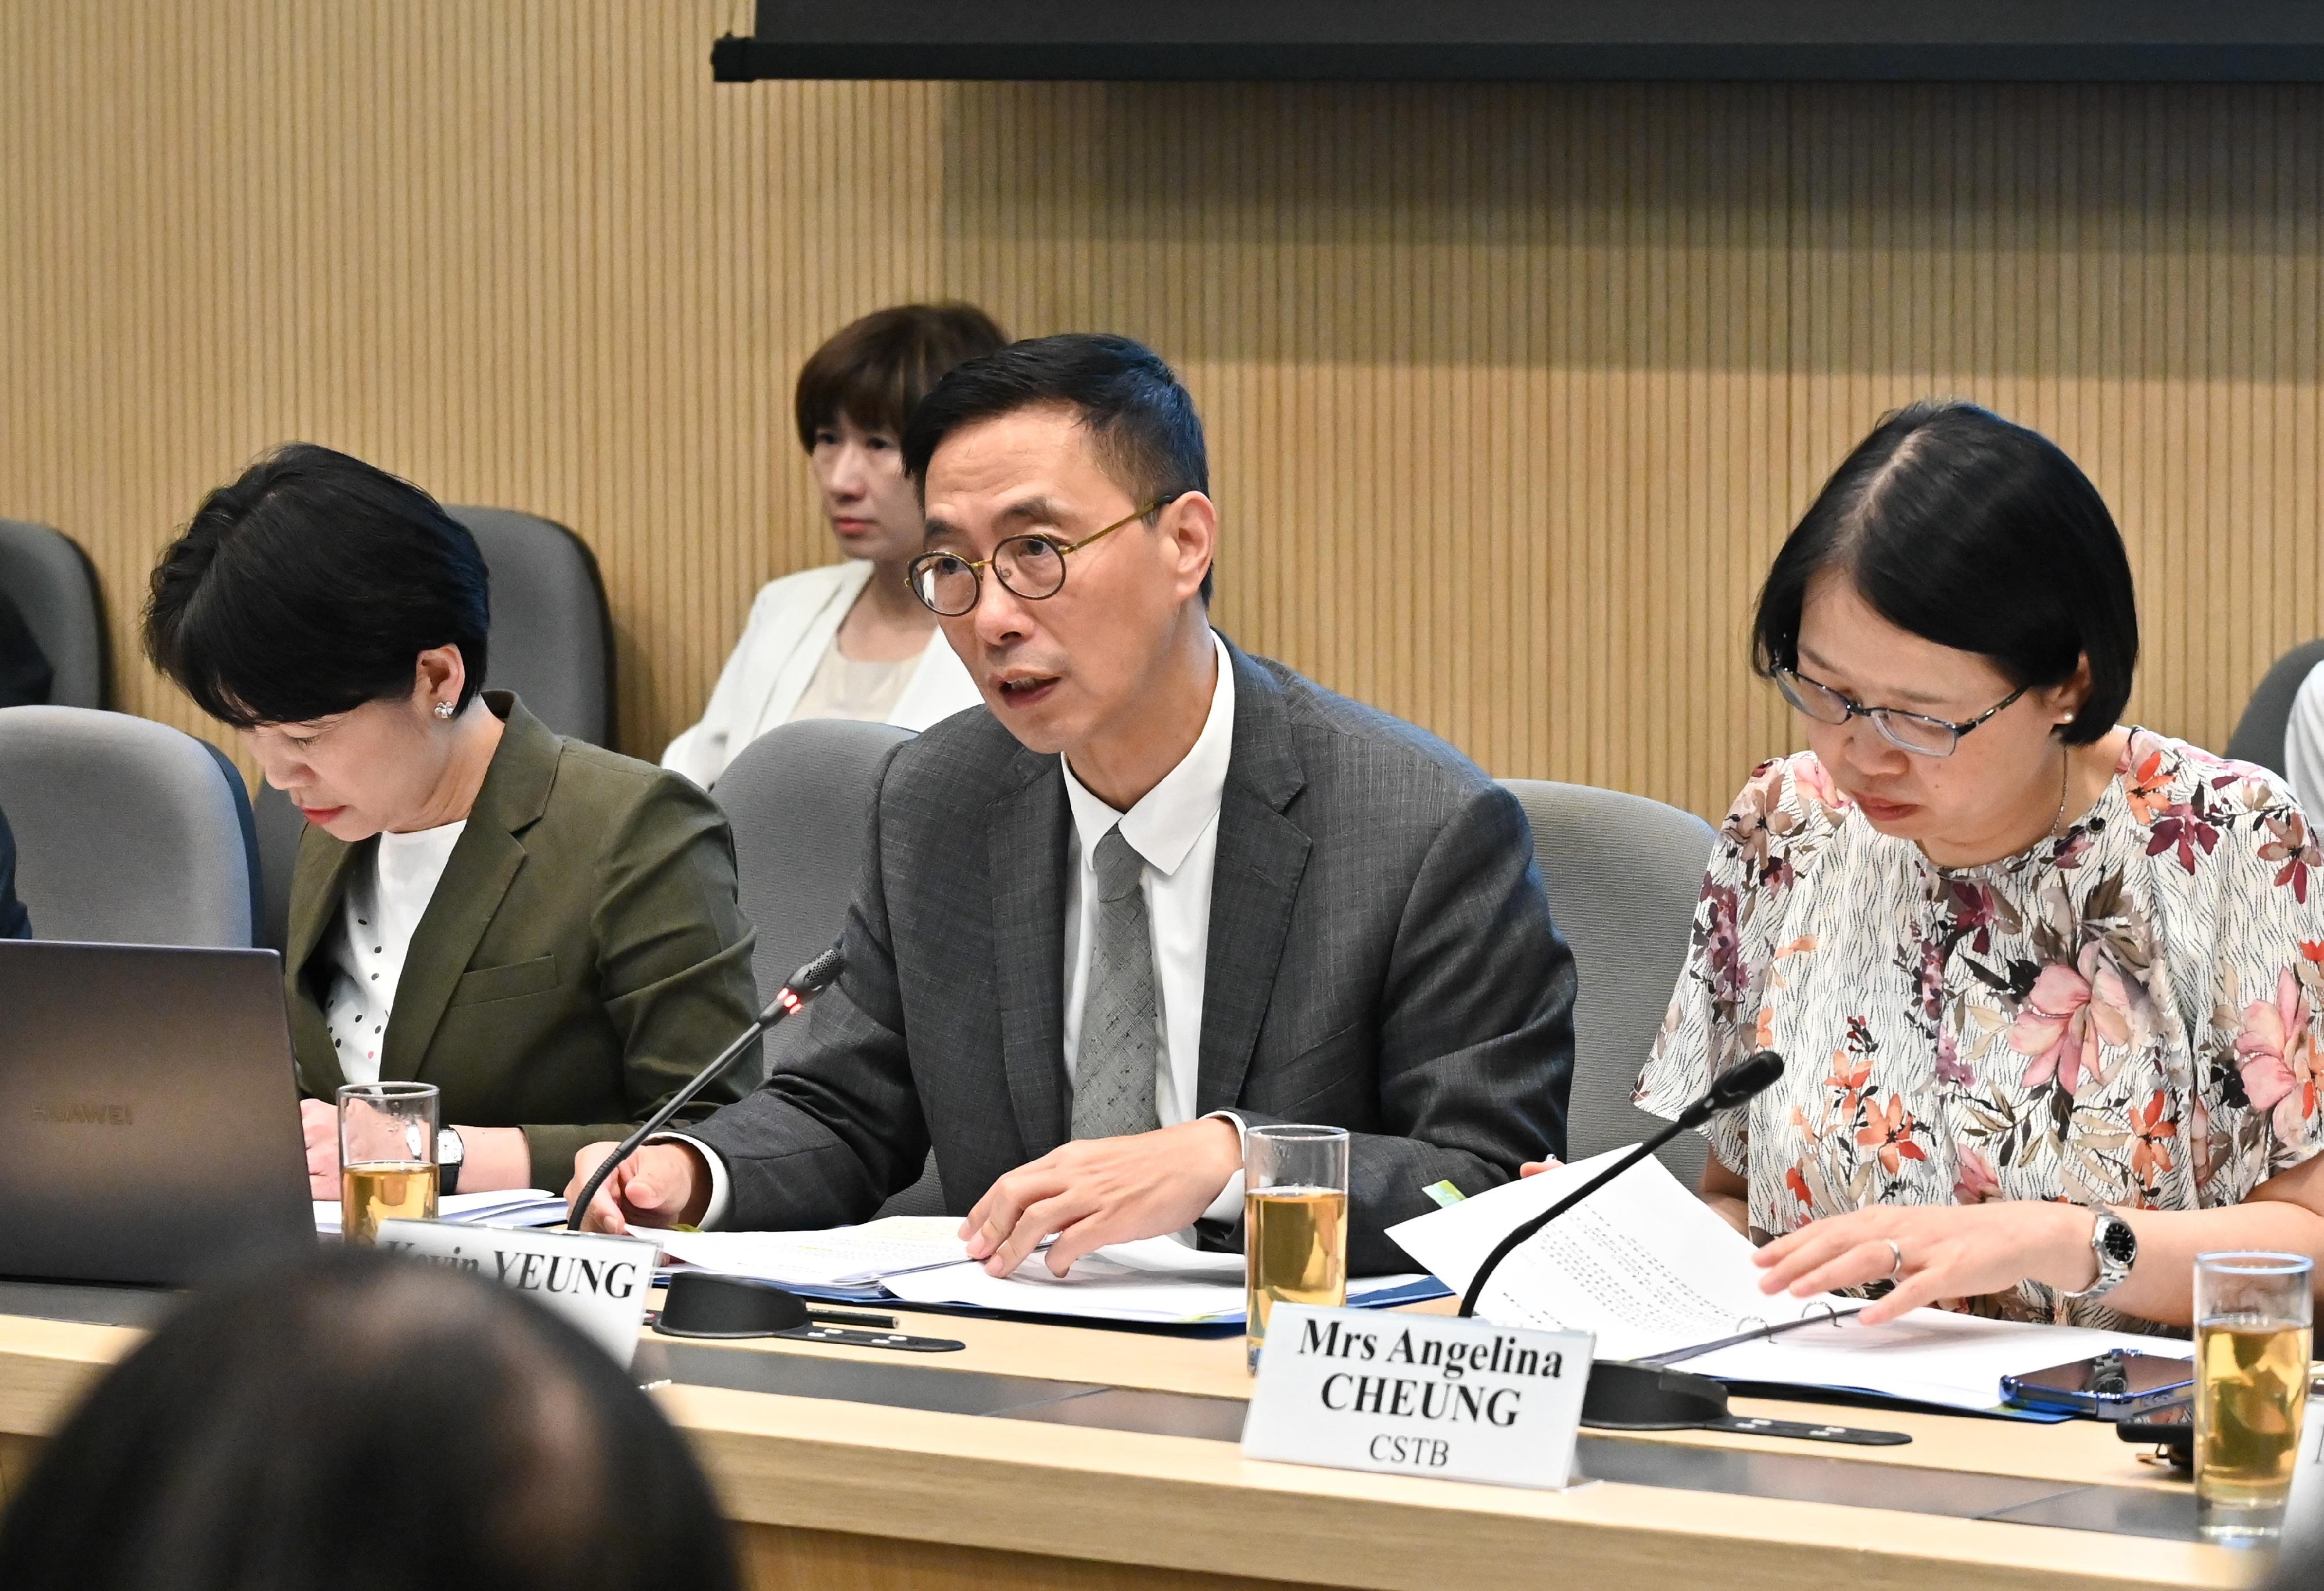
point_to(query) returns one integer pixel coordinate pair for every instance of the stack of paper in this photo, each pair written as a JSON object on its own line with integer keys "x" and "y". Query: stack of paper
{"x": 1655, "y": 1272}
{"x": 1642, "y": 1264}
{"x": 1156, "y": 1281}
{"x": 843, "y": 1262}
{"x": 919, "y": 1260}
{"x": 514, "y": 1207}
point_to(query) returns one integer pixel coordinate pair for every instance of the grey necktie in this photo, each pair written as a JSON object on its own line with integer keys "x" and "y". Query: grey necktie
{"x": 1114, "y": 1062}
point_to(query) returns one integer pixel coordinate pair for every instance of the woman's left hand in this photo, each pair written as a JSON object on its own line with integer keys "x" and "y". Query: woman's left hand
{"x": 1945, "y": 1250}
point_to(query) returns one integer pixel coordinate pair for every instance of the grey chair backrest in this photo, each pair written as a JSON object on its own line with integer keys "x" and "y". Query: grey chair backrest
{"x": 552, "y": 636}
{"x": 552, "y": 643}
{"x": 54, "y": 586}
{"x": 1623, "y": 874}
{"x": 127, "y": 830}
{"x": 800, "y": 801}
{"x": 2259, "y": 733}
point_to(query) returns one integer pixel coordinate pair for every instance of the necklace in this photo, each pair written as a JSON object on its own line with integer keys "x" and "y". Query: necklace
{"x": 2065, "y": 769}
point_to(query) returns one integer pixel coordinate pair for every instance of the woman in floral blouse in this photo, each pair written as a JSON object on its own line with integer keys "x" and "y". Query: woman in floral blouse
{"x": 2027, "y": 967}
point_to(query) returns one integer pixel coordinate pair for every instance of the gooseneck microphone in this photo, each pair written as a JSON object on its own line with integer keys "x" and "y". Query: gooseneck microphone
{"x": 805, "y": 984}
{"x": 1729, "y": 1088}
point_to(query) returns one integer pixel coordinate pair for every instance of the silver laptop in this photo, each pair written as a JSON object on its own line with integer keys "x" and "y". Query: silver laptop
{"x": 149, "y": 1113}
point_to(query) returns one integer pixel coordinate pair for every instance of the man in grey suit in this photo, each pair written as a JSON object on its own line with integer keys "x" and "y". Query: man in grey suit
{"x": 1160, "y": 893}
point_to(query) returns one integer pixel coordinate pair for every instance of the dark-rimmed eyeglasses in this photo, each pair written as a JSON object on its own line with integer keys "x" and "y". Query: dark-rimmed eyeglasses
{"x": 1916, "y": 732}
{"x": 1031, "y": 566}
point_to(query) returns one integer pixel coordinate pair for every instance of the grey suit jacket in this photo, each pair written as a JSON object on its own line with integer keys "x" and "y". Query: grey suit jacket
{"x": 1381, "y": 957}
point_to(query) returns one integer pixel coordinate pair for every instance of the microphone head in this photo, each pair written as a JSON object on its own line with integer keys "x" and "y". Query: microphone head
{"x": 1739, "y": 1083}
{"x": 820, "y": 973}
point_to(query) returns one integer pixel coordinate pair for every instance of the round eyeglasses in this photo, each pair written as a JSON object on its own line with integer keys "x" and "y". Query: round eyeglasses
{"x": 1032, "y": 566}
{"x": 1916, "y": 732}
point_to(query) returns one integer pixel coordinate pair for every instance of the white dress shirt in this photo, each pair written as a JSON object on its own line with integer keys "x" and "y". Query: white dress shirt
{"x": 379, "y": 909}
{"x": 1175, "y": 826}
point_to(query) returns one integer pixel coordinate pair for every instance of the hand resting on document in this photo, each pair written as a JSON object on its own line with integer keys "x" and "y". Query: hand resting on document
{"x": 1957, "y": 1251}
{"x": 1093, "y": 1191}
{"x": 1088, "y": 1193}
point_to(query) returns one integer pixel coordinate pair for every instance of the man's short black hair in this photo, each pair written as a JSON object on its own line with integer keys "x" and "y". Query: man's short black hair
{"x": 1976, "y": 534}
{"x": 310, "y": 586}
{"x": 1141, "y": 421}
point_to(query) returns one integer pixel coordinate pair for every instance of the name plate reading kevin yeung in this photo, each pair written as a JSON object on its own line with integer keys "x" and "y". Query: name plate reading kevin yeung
{"x": 596, "y": 1282}
{"x": 1418, "y": 1395}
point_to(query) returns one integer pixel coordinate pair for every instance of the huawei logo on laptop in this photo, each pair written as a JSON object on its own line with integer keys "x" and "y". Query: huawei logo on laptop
{"x": 84, "y": 1113}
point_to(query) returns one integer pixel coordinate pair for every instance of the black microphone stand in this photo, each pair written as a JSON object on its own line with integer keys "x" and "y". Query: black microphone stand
{"x": 1729, "y": 1088}
{"x": 1650, "y": 1396}
{"x": 805, "y": 984}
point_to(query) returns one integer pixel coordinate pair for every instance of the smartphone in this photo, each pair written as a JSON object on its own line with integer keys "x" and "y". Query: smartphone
{"x": 2111, "y": 1386}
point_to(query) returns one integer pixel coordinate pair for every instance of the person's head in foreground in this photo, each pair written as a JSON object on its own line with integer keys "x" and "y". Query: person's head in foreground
{"x": 854, "y": 398}
{"x": 363, "y": 1423}
{"x": 2044, "y": 983}
{"x": 337, "y": 616}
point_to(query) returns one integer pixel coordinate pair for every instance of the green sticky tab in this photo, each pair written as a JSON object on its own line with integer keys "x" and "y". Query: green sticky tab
{"x": 1444, "y": 1193}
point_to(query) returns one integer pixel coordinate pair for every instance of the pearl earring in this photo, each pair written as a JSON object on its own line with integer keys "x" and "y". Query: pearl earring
{"x": 443, "y": 709}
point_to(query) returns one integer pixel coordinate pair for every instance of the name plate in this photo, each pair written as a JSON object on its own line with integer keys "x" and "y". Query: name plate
{"x": 597, "y": 1282}
{"x": 1418, "y": 1395}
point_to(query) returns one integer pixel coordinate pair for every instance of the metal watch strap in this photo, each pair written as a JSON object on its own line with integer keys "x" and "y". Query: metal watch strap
{"x": 2112, "y": 1273}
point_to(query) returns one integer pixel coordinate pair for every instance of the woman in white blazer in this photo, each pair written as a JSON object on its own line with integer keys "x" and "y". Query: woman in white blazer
{"x": 849, "y": 641}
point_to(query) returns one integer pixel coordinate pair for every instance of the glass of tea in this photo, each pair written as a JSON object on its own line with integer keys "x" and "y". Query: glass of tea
{"x": 2253, "y": 1319}
{"x": 387, "y": 1156}
{"x": 1294, "y": 1205}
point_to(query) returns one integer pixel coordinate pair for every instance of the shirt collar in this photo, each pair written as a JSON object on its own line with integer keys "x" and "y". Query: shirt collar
{"x": 1165, "y": 825}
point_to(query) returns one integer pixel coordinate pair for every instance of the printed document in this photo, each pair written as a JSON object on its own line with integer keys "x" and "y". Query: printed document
{"x": 1652, "y": 1272}
{"x": 1156, "y": 1281}
{"x": 842, "y": 1257}
{"x": 919, "y": 1260}
{"x": 1642, "y": 1264}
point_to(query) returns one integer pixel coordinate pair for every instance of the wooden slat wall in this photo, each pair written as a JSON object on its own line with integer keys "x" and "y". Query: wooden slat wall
{"x": 1511, "y": 389}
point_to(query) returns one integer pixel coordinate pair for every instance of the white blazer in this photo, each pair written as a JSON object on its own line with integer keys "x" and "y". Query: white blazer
{"x": 792, "y": 625}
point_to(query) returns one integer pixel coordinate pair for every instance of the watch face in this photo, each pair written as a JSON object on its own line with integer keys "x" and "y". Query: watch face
{"x": 2118, "y": 1242}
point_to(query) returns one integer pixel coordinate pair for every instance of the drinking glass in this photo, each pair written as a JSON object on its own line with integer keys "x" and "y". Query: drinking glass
{"x": 2253, "y": 1319}
{"x": 1294, "y": 1207}
{"x": 387, "y": 1156}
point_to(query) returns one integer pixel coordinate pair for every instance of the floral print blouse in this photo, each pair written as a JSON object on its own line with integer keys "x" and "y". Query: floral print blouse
{"x": 2125, "y": 1014}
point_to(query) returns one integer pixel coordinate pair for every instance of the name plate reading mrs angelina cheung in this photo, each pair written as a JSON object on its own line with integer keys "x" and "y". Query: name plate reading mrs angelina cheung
{"x": 1418, "y": 1395}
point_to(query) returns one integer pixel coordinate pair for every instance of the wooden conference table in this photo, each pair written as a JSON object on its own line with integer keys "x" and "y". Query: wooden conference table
{"x": 1067, "y": 1458}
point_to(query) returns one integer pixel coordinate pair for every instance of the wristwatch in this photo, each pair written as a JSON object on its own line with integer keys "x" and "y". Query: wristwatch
{"x": 450, "y": 1155}
{"x": 2116, "y": 1248}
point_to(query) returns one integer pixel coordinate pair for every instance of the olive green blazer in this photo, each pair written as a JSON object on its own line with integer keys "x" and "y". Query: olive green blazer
{"x": 584, "y": 954}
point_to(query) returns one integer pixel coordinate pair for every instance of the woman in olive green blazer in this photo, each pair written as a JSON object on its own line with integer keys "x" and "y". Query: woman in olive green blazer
{"x": 547, "y": 932}
{"x": 583, "y": 955}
